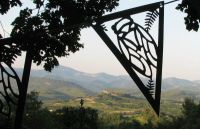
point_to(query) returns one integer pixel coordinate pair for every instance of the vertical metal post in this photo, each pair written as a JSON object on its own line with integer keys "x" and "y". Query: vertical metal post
{"x": 23, "y": 91}
{"x": 160, "y": 57}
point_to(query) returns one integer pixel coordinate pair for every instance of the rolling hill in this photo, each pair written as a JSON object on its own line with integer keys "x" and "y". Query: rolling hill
{"x": 94, "y": 82}
{"x": 64, "y": 83}
{"x": 65, "y": 86}
{"x": 100, "y": 81}
{"x": 50, "y": 89}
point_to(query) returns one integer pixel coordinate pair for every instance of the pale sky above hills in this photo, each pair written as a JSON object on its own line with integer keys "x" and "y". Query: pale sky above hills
{"x": 181, "y": 48}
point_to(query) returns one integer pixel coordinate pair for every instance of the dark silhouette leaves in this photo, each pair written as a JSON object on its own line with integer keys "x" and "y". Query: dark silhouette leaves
{"x": 55, "y": 31}
{"x": 5, "y": 5}
{"x": 191, "y": 8}
{"x": 151, "y": 86}
{"x": 150, "y": 19}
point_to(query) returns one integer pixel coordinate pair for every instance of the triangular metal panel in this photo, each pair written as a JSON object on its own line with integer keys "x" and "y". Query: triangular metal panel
{"x": 152, "y": 89}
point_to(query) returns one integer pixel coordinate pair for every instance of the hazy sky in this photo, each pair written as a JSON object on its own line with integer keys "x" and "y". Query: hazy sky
{"x": 181, "y": 48}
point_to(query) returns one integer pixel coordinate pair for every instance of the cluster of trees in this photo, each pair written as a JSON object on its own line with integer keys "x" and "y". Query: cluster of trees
{"x": 189, "y": 119}
{"x": 36, "y": 116}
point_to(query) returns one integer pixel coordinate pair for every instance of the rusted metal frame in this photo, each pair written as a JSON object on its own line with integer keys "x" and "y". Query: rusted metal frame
{"x": 125, "y": 63}
{"x": 160, "y": 56}
{"x": 171, "y": 2}
{"x": 132, "y": 11}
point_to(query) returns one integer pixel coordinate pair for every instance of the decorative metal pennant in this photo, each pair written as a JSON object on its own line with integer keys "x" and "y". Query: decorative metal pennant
{"x": 10, "y": 84}
{"x": 137, "y": 50}
{"x": 13, "y": 90}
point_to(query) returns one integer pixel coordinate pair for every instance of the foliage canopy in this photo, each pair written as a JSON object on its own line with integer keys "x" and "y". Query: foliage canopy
{"x": 191, "y": 8}
{"x": 52, "y": 29}
{"x": 5, "y": 5}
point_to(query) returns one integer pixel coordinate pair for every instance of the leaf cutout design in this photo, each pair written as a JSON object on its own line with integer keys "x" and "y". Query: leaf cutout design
{"x": 151, "y": 87}
{"x": 4, "y": 105}
{"x": 8, "y": 94}
{"x": 150, "y": 19}
{"x": 141, "y": 47}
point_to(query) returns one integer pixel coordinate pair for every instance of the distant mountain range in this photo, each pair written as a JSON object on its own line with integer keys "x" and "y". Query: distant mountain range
{"x": 103, "y": 80}
{"x": 94, "y": 82}
{"x": 65, "y": 82}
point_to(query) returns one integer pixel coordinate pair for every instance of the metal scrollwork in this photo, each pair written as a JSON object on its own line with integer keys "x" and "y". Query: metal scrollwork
{"x": 8, "y": 94}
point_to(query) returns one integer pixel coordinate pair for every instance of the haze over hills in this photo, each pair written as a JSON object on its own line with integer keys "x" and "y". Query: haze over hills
{"x": 94, "y": 82}
{"x": 107, "y": 80}
{"x": 114, "y": 94}
{"x": 57, "y": 89}
{"x": 65, "y": 82}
